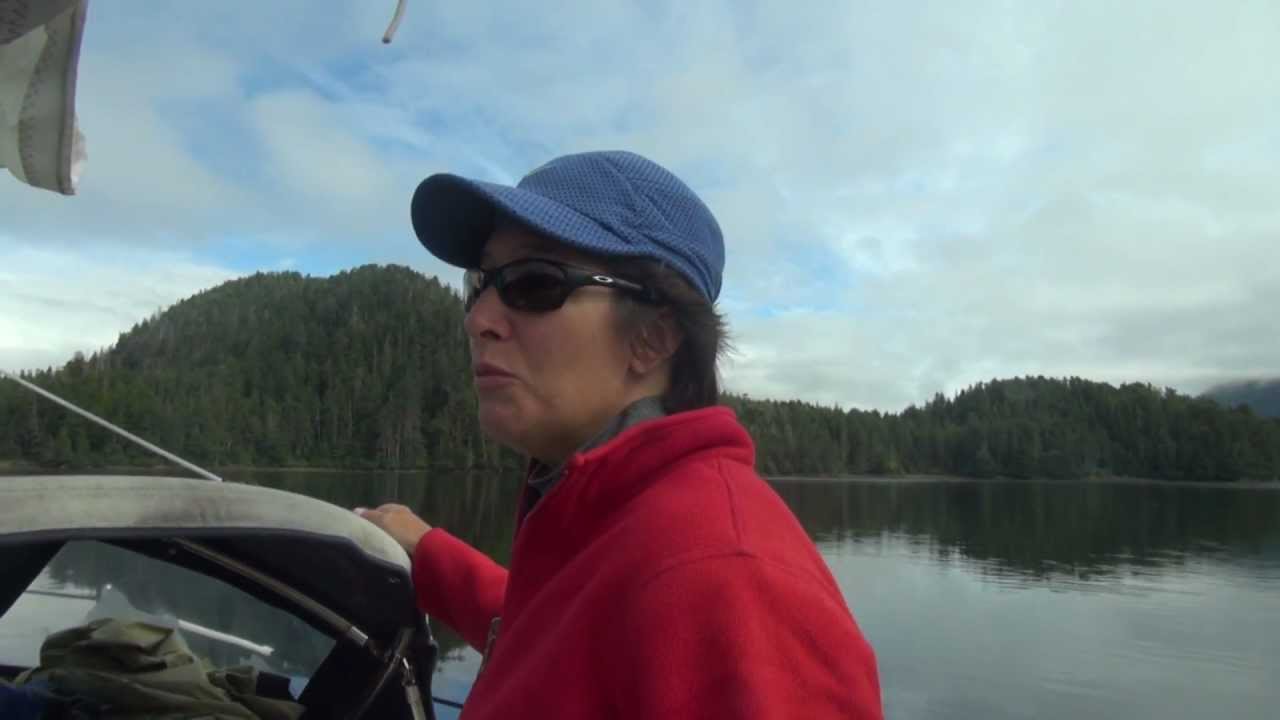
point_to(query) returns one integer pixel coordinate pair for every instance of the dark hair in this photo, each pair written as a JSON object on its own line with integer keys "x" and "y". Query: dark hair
{"x": 695, "y": 381}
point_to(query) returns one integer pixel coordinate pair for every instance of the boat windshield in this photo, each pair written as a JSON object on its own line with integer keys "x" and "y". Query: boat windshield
{"x": 222, "y": 624}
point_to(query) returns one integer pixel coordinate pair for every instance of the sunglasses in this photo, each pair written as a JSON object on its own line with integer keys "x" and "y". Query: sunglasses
{"x": 537, "y": 285}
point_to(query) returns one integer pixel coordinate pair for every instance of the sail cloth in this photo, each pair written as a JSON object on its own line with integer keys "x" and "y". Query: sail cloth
{"x": 40, "y": 143}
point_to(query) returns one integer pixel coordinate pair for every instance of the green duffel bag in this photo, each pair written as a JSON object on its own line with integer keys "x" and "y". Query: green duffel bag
{"x": 126, "y": 670}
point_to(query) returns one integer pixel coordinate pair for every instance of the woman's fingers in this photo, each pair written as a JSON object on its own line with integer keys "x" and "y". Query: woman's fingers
{"x": 399, "y": 522}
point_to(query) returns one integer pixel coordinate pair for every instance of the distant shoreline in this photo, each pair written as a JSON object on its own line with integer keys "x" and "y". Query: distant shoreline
{"x": 1099, "y": 480}
{"x": 11, "y": 467}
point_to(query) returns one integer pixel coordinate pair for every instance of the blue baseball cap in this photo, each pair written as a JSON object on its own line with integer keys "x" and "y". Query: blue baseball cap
{"x": 610, "y": 203}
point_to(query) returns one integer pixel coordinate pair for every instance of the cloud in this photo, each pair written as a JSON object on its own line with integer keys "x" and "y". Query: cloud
{"x": 915, "y": 197}
{"x": 57, "y": 301}
{"x": 310, "y": 151}
{"x": 1097, "y": 231}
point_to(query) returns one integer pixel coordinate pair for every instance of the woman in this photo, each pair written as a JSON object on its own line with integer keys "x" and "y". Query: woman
{"x": 654, "y": 574}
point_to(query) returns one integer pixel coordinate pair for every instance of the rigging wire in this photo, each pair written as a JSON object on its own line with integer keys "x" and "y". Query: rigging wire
{"x": 117, "y": 430}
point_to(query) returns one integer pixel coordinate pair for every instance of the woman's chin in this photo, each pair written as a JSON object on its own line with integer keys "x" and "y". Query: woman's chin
{"x": 498, "y": 422}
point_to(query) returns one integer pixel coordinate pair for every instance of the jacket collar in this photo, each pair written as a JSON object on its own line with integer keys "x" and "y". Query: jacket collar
{"x": 600, "y": 481}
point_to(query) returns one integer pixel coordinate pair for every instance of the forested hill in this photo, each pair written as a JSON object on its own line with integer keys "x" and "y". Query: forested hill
{"x": 369, "y": 369}
{"x": 1263, "y": 396}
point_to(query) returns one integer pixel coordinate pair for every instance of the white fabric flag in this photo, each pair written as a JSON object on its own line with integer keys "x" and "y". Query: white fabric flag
{"x": 40, "y": 143}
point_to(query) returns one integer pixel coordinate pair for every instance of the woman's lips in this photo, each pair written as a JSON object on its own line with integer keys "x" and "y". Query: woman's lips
{"x": 490, "y": 375}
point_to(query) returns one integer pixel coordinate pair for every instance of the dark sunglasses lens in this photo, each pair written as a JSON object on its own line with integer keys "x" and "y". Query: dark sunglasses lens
{"x": 537, "y": 288}
{"x": 472, "y": 286}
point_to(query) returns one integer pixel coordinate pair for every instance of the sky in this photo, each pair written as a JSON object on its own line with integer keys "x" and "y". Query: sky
{"x": 915, "y": 196}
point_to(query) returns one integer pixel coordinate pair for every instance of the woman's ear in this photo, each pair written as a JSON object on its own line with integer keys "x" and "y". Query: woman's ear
{"x": 655, "y": 342}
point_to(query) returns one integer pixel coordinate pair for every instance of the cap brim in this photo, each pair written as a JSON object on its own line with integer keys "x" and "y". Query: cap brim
{"x": 453, "y": 218}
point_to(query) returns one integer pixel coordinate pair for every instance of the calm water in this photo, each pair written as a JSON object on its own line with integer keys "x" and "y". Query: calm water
{"x": 992, "y": 599}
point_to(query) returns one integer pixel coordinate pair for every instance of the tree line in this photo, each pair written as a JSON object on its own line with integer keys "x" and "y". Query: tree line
{"x": 368, "y": 369}
{"x": 1023, "y": 428}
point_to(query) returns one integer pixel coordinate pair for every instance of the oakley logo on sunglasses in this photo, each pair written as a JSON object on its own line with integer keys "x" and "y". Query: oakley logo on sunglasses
{"x": 538, "y": 285}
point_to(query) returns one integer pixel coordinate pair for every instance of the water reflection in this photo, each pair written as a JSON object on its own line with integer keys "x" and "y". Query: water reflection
{"x": 1051, "y": 600}
{"x": 1086, "y": 531}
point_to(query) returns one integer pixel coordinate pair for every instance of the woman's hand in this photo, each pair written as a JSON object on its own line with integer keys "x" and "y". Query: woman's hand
{"x": 399, "y": 522}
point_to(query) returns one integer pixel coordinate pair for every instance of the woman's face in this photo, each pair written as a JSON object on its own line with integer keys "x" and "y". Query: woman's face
{"x": 547, "y": 382}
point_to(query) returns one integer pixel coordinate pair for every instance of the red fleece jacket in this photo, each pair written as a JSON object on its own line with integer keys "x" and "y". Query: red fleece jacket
{"x": 660, "y": 578}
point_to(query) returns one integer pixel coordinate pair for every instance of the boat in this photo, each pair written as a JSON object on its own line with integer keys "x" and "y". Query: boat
{"x": 291, "y": 585}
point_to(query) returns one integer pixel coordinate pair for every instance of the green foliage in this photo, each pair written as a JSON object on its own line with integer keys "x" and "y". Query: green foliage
{"x": 1022, "y": 428}
{"x": 368, "y": 369}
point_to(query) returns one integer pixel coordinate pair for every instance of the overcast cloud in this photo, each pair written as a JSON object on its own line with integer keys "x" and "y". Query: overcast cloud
{"x": 916, "y": 196}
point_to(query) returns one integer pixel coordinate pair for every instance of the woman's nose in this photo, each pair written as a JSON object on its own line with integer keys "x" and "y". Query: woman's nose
{"x": 487, "y": 317}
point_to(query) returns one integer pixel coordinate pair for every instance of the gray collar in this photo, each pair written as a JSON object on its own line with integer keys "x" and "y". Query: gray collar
{"x": 542, "y": 477}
